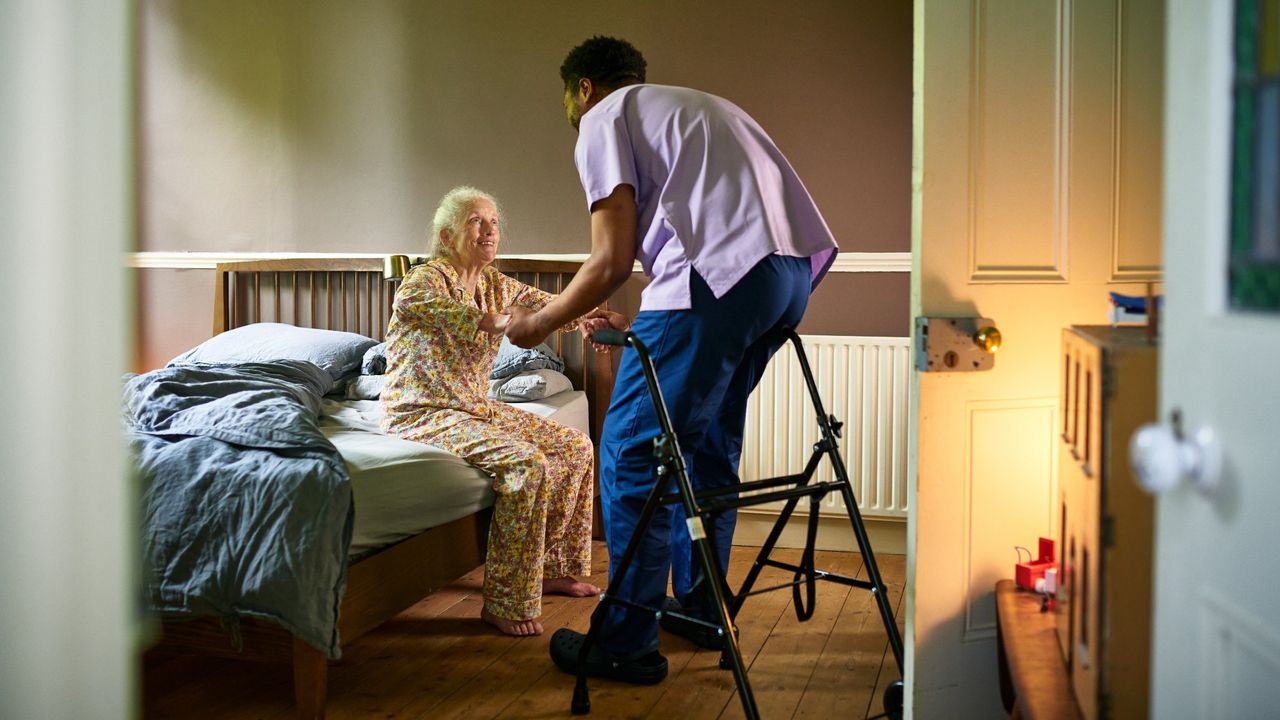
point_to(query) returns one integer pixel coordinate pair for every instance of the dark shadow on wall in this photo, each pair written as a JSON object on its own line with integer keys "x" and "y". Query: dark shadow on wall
{"x": 241, "y": 48}
{"x": 366, "y": 113}
{"x": 866, "y": 304}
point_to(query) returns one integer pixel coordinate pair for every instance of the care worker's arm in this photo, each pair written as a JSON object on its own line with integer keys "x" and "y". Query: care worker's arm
{"x": 613, "y": 253}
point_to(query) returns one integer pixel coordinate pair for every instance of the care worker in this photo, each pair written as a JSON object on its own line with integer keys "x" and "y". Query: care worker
{"x": 692, "y": 187}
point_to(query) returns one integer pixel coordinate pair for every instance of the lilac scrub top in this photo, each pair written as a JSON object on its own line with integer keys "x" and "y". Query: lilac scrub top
{"x": 712, "y": 190}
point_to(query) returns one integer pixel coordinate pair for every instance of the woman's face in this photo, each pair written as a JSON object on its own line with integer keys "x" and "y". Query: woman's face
{"x": 478, "y": 244}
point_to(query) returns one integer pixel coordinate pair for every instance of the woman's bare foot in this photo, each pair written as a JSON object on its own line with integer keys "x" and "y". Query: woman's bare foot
{"x": 518, "y": 628}
{"x": 568, "y": 586}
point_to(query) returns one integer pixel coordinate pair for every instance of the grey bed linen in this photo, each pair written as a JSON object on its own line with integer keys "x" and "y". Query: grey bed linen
{"x": 247, "y": 507}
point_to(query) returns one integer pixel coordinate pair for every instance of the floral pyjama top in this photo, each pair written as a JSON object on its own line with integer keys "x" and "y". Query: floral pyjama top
{"x": 438, "y": 359}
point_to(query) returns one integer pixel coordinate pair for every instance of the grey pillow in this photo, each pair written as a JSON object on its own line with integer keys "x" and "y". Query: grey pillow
{"x": 338, "y": 353}
{"x": 512, "y": 360}
{"x": 529, "y": 385}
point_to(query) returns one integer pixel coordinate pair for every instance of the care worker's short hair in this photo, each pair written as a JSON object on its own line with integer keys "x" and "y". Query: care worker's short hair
{"x": 451, "y": 215}
{"x": 605, "y": 61}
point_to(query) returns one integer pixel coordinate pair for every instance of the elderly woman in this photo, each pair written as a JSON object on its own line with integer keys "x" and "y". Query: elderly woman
{"x": 445, "y": 329}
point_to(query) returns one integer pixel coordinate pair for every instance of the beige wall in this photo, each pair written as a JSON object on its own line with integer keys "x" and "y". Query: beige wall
{"x": 175, "y": 313}
{"x": 327, "y": 126}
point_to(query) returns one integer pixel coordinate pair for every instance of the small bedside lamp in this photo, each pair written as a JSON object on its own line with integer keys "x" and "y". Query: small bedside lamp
{"x": 395, "y": 267}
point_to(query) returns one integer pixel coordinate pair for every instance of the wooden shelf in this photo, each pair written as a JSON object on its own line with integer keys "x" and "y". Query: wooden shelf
{"x": 1033, "y": 676}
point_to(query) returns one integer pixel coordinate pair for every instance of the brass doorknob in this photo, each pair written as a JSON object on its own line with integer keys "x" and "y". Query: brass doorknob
{"x": 988, "y": 338}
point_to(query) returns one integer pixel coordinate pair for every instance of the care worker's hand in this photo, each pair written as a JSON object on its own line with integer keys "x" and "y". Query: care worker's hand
{"x": 599, "y": 319}
{"x": 524, "y": 329}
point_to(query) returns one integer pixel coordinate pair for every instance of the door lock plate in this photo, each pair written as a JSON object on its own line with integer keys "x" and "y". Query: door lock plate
{"x": 956, "y": 344}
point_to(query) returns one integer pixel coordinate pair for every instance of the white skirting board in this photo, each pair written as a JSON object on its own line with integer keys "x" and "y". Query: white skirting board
{"x": 888, "y": 536}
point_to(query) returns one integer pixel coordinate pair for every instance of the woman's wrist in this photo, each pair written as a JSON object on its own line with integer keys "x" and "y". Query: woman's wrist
{"x": 494, "y": 323}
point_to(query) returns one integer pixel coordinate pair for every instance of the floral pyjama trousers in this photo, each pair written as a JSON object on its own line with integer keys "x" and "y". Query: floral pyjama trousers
{"x": 541, "y": 527}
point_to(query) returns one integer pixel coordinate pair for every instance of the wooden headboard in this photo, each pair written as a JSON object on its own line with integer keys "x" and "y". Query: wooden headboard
{"x": 350, "y": 294}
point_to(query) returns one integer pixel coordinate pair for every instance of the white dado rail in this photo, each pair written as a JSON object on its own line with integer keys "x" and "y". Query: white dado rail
{"x": 160, "y": 260}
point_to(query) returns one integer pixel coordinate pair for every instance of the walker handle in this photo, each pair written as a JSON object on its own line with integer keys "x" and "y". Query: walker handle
{"x": 610, "y": 336}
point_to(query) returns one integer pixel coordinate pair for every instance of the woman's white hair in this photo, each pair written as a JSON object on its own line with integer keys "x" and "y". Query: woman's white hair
{"x": 451, "y": 215}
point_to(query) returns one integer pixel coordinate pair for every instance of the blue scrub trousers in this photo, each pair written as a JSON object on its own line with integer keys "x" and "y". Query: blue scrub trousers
{"x": 708, "y": 359}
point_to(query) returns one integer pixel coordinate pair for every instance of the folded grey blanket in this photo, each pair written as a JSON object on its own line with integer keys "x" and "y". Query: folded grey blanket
{"x": 246, "y": 507}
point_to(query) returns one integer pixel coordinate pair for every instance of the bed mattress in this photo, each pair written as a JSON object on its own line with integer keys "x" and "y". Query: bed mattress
{"x": 401, "y": 487}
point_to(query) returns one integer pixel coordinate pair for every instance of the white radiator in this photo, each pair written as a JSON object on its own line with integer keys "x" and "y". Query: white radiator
{"x": 863, "y": 381}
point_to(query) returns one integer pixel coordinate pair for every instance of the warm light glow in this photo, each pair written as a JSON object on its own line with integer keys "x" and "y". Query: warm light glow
{"x": 988, "y": 338}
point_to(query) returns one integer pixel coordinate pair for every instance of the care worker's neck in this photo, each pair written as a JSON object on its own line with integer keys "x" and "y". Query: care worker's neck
{"x": 599, "y": 93}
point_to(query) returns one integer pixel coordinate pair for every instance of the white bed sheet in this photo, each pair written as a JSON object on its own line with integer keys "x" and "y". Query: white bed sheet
{"x": 401, "y": 487}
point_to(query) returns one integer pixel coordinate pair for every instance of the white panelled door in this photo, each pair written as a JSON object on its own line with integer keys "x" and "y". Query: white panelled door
{"x": 1217, "y": 612}
{"x": 1036, "y": 190}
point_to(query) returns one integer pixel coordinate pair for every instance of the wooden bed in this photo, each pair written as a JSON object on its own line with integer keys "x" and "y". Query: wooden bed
{"x": 351, "y": 294}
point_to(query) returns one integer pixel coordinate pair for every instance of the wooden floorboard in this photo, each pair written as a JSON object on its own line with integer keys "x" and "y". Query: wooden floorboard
{"x": 438, "y": 660}
{"x": 856, "y": 654}
{"x": 785, "y": 665}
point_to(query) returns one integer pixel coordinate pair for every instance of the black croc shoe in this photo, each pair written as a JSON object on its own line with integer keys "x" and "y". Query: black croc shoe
{"x": 647, "y": 669}
{"x": 700, "y": 635}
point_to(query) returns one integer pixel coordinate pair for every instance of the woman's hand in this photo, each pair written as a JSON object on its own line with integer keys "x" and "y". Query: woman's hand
{"x": 525, "y": 327}
{"x": 494, "y": 324}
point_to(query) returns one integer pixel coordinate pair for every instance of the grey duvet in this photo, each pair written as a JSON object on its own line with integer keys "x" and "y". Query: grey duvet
{"x": 247, "y": 508}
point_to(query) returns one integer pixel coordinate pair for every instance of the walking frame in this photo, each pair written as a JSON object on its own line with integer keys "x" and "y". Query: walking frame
{"x": 708, "y": 502}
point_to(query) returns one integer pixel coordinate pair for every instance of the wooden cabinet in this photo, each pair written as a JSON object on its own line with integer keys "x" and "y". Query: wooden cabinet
{"x": 1103, "y": 603}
